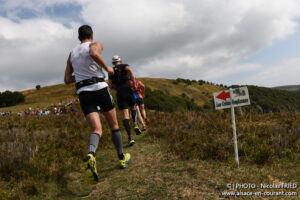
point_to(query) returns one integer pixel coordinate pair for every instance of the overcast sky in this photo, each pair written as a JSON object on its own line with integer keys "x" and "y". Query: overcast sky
{"x": 222, "y": 41}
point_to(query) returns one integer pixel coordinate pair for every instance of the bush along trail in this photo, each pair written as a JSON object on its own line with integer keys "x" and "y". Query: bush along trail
{"x": 181, "y": 156}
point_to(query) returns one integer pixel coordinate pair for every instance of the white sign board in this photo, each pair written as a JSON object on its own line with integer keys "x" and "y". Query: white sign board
{"x": 229, "y": 99}
{"x": 240, "y": 97}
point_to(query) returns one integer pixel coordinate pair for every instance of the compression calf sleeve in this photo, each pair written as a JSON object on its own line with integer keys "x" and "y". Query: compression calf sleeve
{"x": 117, "y": 140}
{"x": 93, "y": 143}
{"x": 127, "y": 126}
{"x": 134, "y": 115}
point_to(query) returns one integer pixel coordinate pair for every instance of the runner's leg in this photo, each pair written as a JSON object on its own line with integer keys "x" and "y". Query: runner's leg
{"x": 111, "y": 117}
{"x": 142, "y": 109}
{"x": 143, "y": 112}
{"x": 140, "y": 119}
{"x": 109, "y": 111}
{"x": 93, "y": 120}
{"x": 126, "y": 123}
{"x": 134, "y": 114}
{"x": 89, "y": 161}
{"x": 134, "y": 118}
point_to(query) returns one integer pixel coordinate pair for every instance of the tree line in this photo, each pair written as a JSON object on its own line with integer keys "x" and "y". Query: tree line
{"x": 157, "y": 100}
{"x": 9, "y": 98}
{"x": 200, "y": 82}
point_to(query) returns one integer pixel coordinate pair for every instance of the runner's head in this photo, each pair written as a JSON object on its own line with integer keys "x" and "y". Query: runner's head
{"x": 85, "y": 32}
{"x": 116, "y": 60}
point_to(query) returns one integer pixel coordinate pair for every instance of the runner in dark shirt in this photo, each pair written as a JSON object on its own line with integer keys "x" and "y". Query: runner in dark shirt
{"x": 120, "y": 82}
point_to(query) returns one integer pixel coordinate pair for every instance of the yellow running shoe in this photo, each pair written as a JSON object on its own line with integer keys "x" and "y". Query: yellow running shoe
{"x": 89, "y": 164}
{"x": 125, "y": 161}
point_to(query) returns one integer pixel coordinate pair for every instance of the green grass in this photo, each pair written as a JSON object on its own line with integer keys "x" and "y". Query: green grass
{"x": 48, "y": 166}
{"x": 155, "y": 174}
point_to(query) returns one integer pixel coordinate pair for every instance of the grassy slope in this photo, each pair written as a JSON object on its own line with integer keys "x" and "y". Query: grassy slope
{"x": 44, "y": 97}
{"x": 154, "y": 174}
{"x": 200, "y": 93}
{"x": 53, "y": 94}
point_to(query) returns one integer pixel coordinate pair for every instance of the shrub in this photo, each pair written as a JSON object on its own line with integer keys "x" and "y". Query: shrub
{"x": 186, "y": 81}
{"x": 34, "y": 151}
{"x": 201, "y": 82}
{"x": 9, "y": 98}
{"x": 209, "y": 136}
{"x": 157, "y": 100}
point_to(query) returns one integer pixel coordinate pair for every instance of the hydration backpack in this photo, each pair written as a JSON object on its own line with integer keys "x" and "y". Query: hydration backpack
{"x": 120, "y": 75}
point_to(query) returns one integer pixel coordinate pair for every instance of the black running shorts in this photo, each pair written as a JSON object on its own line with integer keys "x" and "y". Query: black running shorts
{"x": 139, "y": 101}
{"x": 96, "y": 101}
{"x": 125, "y": 98}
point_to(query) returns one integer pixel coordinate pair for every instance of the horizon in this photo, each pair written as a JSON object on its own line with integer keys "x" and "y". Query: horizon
{"x": 62, "y": 83}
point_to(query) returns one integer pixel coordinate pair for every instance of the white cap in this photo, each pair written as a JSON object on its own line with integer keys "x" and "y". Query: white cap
{"x": 116, "y": 58}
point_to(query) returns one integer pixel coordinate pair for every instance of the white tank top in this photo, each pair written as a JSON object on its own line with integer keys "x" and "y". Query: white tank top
{"x": 85, "y": 67}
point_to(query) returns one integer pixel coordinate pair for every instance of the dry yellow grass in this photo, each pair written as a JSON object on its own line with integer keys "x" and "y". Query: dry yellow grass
{"x": 200, "y": 93}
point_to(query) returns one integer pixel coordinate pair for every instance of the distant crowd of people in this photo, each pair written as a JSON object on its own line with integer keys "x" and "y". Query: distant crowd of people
{"x": 5, "y": 113}
{"x": 63, "y": 107}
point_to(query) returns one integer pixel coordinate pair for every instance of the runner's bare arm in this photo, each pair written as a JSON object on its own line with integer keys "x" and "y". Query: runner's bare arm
{"x": 142, "y": 86}
{"x": 68, "y": 73}
{"x": 95, "y": 52}
{"x": 131, "y": 75}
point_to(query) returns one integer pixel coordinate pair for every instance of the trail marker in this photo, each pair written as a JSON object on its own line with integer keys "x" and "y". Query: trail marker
{"x": 239, "y": 97}
{"x": 229, "y": 99}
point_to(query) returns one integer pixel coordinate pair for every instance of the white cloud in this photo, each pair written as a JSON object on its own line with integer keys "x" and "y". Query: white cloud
{"x": 196, "y": 39}
{"x": 285, "y": 73}
{"x": 155, "y": 36}
{"x": 192, "y": 67}
{"x": 33, "y": 52}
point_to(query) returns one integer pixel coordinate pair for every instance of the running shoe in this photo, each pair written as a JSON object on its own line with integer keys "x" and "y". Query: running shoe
{"x": 125, "y": 161}
{"x": 131, "y": 142}
{"x": 137, "y": 130}
{"x": 89, "y": 164}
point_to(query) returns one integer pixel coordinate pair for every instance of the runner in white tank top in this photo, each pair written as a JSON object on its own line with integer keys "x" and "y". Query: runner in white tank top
{"x": 85, "y": 66}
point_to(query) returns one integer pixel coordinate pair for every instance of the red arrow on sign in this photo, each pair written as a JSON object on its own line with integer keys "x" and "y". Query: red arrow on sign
{"x": 223, "y": 95}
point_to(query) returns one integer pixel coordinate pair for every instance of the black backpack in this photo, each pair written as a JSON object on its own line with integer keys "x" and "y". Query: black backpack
{"x": 120, "y": 74}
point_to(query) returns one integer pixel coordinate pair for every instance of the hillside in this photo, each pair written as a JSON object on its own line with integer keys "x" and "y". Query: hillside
{"x": 44, "y": 97}
{"x": 183, "y": 155}
{"x": 173, "y": 95}
{"x": 294, "y": 88}
{"x": 200, "y": 94}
